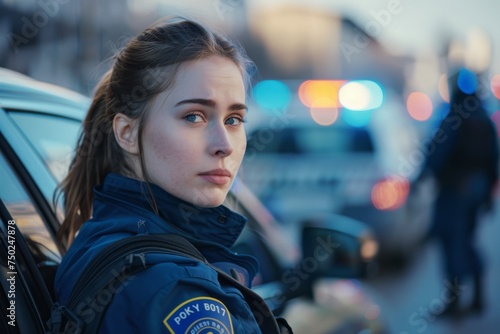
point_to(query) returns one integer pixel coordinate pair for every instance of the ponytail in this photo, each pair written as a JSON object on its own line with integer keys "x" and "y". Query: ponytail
{"x": 88, "y": 168}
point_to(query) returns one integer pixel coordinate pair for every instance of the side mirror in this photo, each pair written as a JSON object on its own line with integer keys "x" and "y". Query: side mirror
{"x": 338, "y": 246}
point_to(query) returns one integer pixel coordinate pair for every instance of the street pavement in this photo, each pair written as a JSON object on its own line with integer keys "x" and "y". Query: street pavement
{"x": 410, "y": 298}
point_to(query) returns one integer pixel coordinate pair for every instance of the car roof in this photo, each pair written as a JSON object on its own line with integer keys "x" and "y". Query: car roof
{"x": 20, "y": 92}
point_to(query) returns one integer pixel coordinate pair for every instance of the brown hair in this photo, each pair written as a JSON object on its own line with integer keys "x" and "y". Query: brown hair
{"x": 145, "y": 67}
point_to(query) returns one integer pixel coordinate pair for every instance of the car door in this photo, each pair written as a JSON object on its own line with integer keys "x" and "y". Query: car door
{"x": 27, "y": 262}
{"x": 30, "y": 166}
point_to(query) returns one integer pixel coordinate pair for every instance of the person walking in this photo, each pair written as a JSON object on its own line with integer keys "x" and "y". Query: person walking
{"x": 465, "y": 165}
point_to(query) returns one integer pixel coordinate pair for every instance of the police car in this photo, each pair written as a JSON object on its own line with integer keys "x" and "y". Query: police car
{"x": 357, "y": 163}
{"x": 39, "y": 127}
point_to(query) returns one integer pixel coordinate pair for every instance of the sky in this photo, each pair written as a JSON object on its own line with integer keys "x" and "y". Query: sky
{"x": 422, "y": 22}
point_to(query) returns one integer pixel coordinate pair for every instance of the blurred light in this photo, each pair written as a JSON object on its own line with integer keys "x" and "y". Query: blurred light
{"x": 324, "y": 116}
{"x": 443, "y": 88}
{"x": 495, "y": 85}
{"x": 467, "y": 81}
{"x": 272, "y": 95}
{"x": 424, "y": 74}
{"x": 442, "y": 111}
{"x": 361, "y": 95}
{"x": 390, "y": 193}
{"x": 320, "y": 93}
{"x": 456, "y": 53}
{"x": 346, "y": 290}
{"x": 419, "y": 106}
{"x": 357, "y": 118}
{"x": 478, "y": 51}
{"x": 369, "y": 249}
{"x": 496, "y": 119}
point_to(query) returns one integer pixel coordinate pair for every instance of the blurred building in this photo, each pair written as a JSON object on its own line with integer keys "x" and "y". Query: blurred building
{"x": 63, "y": 42}
{"x": 68, "y": 42}
{"x": 300, "y": 43}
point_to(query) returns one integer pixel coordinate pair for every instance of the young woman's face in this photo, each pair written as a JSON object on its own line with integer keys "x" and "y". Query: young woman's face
{"x": 194, "y": 141}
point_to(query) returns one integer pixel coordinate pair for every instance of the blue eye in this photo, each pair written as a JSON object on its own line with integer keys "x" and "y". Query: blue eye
{"x": 234, "y": 120}
{"x": 193, "y": 118}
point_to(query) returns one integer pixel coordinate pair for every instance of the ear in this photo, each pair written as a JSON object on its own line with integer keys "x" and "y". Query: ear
{"x": 126, "y": 131}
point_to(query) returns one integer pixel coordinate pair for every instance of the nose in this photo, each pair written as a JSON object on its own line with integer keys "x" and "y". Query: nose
{"x": 219, "y": 141}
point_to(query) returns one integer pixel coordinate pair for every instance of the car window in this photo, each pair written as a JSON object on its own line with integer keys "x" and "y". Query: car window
{"x": 26, "y": 215}
{"x": 54, "y": 138}
{"x": 298, "y": 140}
{"x": 334, "y": 140}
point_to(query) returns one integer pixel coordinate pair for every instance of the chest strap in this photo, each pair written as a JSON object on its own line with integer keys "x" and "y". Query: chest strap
{"x": 124, "y": 258}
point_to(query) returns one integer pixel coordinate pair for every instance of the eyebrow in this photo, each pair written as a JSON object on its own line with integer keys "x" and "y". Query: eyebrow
{"x": 211, "y": 104}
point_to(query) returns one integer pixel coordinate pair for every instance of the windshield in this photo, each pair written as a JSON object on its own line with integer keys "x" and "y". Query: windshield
{"x": 318, "y": 140}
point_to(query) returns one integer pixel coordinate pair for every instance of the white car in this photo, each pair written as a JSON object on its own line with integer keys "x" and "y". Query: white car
{"x": 299, "y": 165}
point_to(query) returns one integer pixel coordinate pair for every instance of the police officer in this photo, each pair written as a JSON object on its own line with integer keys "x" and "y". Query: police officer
{"x": 161, "y": 145}
{"x": 465, "y": 165}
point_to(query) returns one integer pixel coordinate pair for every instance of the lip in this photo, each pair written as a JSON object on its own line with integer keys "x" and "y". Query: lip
{"x": 218, "y": 176}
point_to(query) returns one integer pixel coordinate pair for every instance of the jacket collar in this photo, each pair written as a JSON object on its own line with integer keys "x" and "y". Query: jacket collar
{"x": 207, "y": 225}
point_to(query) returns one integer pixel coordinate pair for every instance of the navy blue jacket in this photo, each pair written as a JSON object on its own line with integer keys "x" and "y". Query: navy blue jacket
{"x": 177, "y": 294}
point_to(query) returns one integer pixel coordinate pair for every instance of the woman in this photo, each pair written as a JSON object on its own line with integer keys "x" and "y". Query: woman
{"x": 161, "y": 145}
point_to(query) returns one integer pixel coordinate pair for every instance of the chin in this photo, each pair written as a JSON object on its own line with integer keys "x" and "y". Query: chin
{"x": 208, "y": 204}
{"x": 209, "y": 198}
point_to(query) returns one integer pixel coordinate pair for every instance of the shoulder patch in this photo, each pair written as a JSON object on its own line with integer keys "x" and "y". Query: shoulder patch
{"x": 200, "y": 315}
